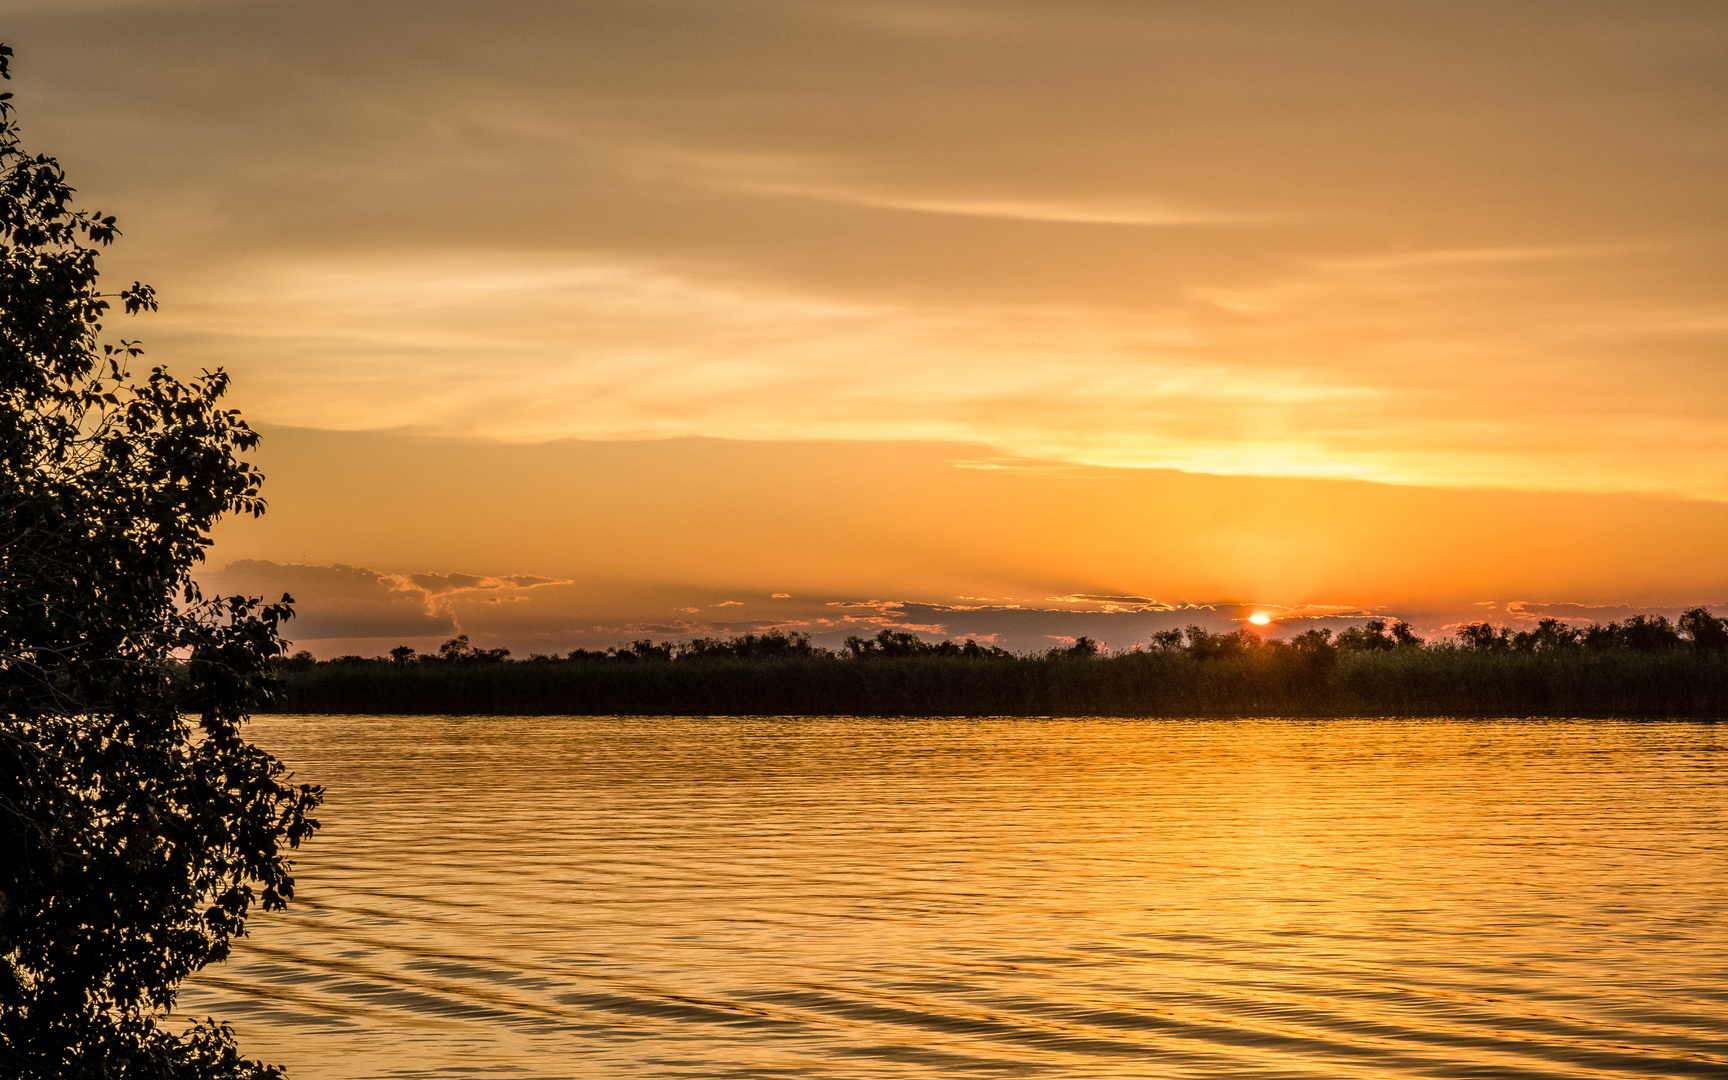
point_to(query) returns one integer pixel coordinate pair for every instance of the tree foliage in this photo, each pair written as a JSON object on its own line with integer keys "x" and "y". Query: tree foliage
{"x": 138, "y": 828}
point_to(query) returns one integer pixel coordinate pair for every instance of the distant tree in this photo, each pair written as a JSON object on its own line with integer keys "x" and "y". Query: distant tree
{"x": 1484, "y": 637}
{"x": 646, "y": 650}
{"x": 886, "y": 644}
{"x": 402, "y": 654}
{"x": 1550, "y": 635}
{"x": 1310, "y": 654}
{"x": 974, "y": 651}
{"x": 1084, "y": 648}
{"x": 1204, "y": 645}
{"x": 458, "y": 651}
{"x": 1600, "y": 638}
{"x": 1640, "y": 633}
{"x": 1403, "y": 637}
{"x": 134, "y": 841}
{"x": 774, "y": 645}
{"x": 1166, "y": 641}
{"x": 1371, "y": 636}
{"x": 1649, "y": 633}
{"x": 1706, "y": 632}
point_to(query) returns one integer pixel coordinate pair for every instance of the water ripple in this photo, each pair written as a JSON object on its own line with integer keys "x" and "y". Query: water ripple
{"x": 685, "y": 898}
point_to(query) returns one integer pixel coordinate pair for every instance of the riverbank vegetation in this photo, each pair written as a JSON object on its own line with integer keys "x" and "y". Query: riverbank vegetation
{"x": 1643, "y": 666}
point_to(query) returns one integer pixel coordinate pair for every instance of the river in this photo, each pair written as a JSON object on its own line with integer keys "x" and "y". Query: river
{"x": 852, "y": 898}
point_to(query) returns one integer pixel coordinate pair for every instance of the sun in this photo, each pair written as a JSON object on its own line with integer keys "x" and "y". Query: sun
{"x": 1259, "y": 618}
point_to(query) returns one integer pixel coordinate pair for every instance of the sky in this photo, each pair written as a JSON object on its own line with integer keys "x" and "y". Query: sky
{"x": 570, "y": 323}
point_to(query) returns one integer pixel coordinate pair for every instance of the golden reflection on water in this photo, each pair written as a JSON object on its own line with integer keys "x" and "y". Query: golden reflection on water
{"x": 558, "y": 897}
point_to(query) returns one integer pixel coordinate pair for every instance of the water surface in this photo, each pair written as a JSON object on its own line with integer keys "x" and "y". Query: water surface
{"x": 559, "y": 897}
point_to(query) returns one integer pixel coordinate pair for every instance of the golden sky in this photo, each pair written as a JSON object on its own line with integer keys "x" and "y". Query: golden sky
{"x": 1323, "y": 306}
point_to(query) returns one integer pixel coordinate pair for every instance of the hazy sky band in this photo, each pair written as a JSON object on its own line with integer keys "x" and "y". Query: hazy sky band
{"x": 1466, "y": 245}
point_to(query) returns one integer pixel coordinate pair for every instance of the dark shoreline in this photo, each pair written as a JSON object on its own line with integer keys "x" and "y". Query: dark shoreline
{"x": 1414, "y": 682}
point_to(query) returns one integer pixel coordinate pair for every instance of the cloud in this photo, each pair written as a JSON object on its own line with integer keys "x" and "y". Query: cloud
{"x": 438, "y": 584}
{"x": 335, "y": 601}
{"x": 347, "y": 609}
{"x": 1522, "y": 611}
{"x": 1137, "y": 213}
{"x": 350, "y": 602}
{"x": 441, "y": 592}
{"x": 809, "y": 176}
{"x": 1302, "y": 243}
{"x": 352, "y": 609}
{"x": 1114, "y": 602}
{"x": 1353, "y": 368}
{"x": 1033, "y": 629}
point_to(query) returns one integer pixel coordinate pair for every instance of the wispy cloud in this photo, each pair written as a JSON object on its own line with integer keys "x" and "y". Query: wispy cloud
{"x": 810, "y": 177}
{"x": 1007, "y": 208}
{"x": 1353, "y": 370}
{"x": 1110, "y": 234}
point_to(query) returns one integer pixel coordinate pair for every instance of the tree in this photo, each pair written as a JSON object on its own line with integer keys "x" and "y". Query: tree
{"x": 1405, "y": 637}
{"x": 1369, "y": 637}
{"x": 1706, "y": 632}
{"x": 1649, "y": 633}
{"x": 134, "y": 841}
{"x": 1316, "y": 642}
{"x": 1208, "y": 646}
{"x": 1550, "y": 636}
{"x": 1484, "y": 637}
{"x": 458, "y": 651}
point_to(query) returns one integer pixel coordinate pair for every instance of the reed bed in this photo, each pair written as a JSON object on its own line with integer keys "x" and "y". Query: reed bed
{"x": 1401, "y": 682}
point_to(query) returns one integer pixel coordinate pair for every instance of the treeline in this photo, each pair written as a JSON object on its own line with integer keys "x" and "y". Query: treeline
{"x": 1642, "y": 666}
{"x": 775, "y": 645}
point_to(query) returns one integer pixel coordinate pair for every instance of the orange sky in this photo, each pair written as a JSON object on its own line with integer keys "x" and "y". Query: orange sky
{"x": 1324, "y": 306}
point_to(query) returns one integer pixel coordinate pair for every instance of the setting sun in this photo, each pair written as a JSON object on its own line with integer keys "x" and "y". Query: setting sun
{"x": 1259, "y": 618}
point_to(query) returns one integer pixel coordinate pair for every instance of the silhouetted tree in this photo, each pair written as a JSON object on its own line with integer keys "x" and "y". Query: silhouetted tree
{"x": 1403, "y": 637}
{"x": 887, "y": 644}
{"x": 774, "y": 645}
{"x": 1166, "y": 641}
{"x": 1084, "y": 648}
{"x": 134, "y": 843}
{"x": 971, "y": 650}
{"x": 1550, "y": 635}
{"x": 1317, "y": 641}
{"x": 458, "y": 651}
{"x": 1704, "y": 630}
{"x": 1371, "y": 636}
{"x": 1484, "y": 637}
{"x": 1648, "y": 633}
{"x": 1203, "y": 645}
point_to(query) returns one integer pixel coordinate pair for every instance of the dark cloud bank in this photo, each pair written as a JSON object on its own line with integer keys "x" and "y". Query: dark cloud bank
{"x": 348, "y": 609}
